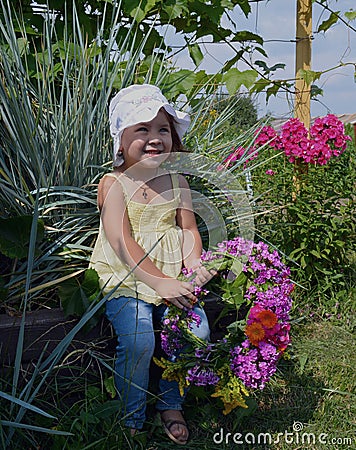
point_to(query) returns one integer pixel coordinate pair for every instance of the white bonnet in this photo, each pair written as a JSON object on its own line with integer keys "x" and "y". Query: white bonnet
{"x": 140, "y": 103}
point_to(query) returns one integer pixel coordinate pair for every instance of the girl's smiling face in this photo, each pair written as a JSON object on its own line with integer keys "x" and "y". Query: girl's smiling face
{"x": 145, "y": 142}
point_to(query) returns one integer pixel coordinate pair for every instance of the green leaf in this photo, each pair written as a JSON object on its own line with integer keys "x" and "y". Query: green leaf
{"x": 272, "y": 91}
{"x": 195, "y": 53}
{"x": 234, "y": 79}
{"x": 232, "y": 61}
{"x": 315, "y": 91}
{"x": 261, "y": 50}
{"x": 242, "y": 36}
{"x": 302, "y": 362}
{"x": 350, "y": 15}
{"x": 175, "y": 9}
{"x": 260, "y": 85}
{"x": 178, "y": 82}
{"x": 25, "y": 426}
{"x": 22, "y": 44}
{"x": 309, "y": 75}
{"x": 202, "y": 78}
{"x": 268, "y": 70}
{"x": 315, "y": 253}
{"x": 107, "y": 409}
{"x": 140, "y": 12}
{"x": 326, "y": 24}
{"x": 73, "y": 301}
{"x": 236, "y": 268}
{"x": 245, "y": 6}
{"x": 235, "y": 327}
{"x": 228, "y": 4}
{"x": 15, "y": 235}
{"x": 76, "y": 293}
{"x": 241, "y": 278}
{"x": 91, "y": 282}
{"x": 110, "y": 388}
{"x": 26, "y": 405}
{"x": 235, "y": 290}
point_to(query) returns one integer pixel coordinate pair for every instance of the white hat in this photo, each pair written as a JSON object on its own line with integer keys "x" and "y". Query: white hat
{"x": 140, "y": 103}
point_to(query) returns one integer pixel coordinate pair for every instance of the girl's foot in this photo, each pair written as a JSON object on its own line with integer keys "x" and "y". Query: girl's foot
{"x": 175, "y": 426}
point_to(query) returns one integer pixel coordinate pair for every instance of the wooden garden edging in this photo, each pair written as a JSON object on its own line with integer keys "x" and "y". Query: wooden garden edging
{"x": 45, "y": 328}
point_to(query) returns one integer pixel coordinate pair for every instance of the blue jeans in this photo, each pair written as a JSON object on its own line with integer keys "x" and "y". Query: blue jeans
{"x": 134, "y": 321}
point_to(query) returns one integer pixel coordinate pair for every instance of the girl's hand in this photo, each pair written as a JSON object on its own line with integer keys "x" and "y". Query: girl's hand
{"x": 179, "y": 293}
{"x": 203, "y": 275}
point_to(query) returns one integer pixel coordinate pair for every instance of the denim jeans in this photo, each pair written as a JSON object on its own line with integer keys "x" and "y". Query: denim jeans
{"x": 134, "y": 322}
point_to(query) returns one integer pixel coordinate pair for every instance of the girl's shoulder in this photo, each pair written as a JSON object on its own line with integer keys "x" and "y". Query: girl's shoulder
{"x": 106, "y": 183}
{"x": 182, "y": 182}
{"x": 109, "y": 179}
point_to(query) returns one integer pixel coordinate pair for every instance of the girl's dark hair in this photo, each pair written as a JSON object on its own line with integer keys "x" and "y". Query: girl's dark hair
{"x": 176, "y": 141}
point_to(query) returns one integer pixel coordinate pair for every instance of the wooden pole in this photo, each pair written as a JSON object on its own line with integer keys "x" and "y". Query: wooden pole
{"x": 303, "y": 60}
{"x": 302, "y": 89}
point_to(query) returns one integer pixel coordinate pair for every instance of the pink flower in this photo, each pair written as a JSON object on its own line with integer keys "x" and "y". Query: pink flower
{"x": 270, "y": 172}
{"x": 327, "y": 139}
{"x": 254, "y": 311}
{"x": 267, "y": 135}
{"x": 231, "y": 158}
{"x": 237, "y": 154}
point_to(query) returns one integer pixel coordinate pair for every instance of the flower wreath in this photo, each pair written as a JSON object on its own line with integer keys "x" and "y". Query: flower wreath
{"x": 247, "y": 357}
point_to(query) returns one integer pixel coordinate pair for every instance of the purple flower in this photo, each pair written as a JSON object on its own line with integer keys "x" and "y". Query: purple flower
{"x": 170, "y": 345}
{"x": 254, "y": 366}
{"x": 202, "y": 376}
{"x": 199, "y": 352}
{"x": 193, "y": 317}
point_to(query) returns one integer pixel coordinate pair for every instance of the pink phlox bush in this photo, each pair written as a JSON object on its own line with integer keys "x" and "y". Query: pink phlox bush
{"x": 326, "y": 139}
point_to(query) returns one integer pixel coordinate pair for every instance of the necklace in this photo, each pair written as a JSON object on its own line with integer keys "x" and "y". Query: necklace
{"x": 142, "y": 186}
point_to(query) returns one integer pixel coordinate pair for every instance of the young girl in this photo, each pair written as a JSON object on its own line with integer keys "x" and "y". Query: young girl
{"x": 147, "y": 234}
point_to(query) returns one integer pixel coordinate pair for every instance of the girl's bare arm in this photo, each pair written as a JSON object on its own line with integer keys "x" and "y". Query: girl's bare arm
{"x": 192, "y": 243}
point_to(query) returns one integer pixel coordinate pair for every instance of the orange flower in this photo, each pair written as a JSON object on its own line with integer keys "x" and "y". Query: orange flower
{"x": 267, "y": 318}
{"x": 255, "y": 333}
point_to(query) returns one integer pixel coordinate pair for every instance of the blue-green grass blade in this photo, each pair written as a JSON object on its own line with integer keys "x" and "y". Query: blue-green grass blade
{"x": 26, "y": 426}
{"x": 13, "y": 399}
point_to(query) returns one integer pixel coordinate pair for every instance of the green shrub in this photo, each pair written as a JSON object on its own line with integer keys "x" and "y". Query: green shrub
{"x": 315, "y": 230}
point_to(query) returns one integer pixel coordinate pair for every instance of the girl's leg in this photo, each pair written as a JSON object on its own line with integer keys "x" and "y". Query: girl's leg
{"x": 170, "y": 398}
{"x": 132, "y": 322}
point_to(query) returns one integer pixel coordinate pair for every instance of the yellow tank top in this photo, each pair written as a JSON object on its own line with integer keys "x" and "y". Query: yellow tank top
{"x": 154, "y": 228}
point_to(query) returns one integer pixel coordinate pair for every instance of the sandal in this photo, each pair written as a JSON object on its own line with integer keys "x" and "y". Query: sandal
{"x": 167, "y": 426}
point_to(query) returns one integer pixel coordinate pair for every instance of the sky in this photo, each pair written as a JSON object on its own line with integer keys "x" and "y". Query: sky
{"x": 275, "y": 21}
